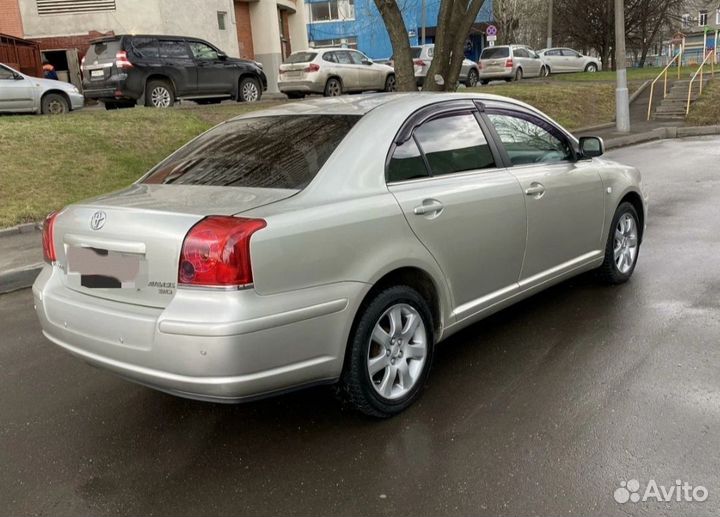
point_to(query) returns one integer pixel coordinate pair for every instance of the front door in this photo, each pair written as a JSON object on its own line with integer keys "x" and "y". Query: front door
{"x": 17, "y": 92}
{"x": 563, "y": 197}
{"x": 214, "y": 75}
{"x": 468, "y": 212}
{"x": 349, "y": 71}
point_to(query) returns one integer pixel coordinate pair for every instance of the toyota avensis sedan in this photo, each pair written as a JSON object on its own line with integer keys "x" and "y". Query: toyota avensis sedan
{"x": 332, "y": 241}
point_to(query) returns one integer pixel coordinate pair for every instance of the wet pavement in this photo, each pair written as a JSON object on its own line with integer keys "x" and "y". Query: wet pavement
{"x": 542, "y": 409}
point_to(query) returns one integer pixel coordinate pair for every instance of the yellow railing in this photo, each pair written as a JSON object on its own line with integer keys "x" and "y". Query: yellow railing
{"x": 700, "y": 71}
{"x": 664, "y": 73}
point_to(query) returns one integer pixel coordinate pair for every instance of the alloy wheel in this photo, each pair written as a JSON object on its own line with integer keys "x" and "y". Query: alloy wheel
{"x": 390, "y": 85}
{"x": 625, "y": 243}
{"x": 55, "y": 107}
{"x": 250, "y": 91}
{"x": 333, "y": 88}
{"x": 472, "y": 78}
{"x": 397, "y": 352}
{"x": 160, "y": 97}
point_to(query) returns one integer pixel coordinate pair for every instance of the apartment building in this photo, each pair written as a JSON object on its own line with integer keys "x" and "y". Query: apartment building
{"x": 700, "y": 25}
{"x": 358, "y": 24}
{"x": 264, "y": 30}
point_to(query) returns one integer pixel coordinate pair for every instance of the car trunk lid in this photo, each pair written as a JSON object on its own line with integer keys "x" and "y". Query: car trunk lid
{"x": 99, "y": 62}
{"x": 126, "y": 246}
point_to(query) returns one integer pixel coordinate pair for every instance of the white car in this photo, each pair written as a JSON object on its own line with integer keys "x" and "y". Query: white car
{"x": 422, "y": 58}
{"x": 510, "y": 63}
{"x": 20, "y": 93}
{"x": 560, "y": 60}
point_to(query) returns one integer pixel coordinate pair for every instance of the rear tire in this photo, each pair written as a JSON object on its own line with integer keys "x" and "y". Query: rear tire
{"x": 518, "y": 75}
{"x": 390, "y": 85}
{"x": 333, "y": 87}
{"x": 250, "y": 90}
{"x": 622, "y": 247}
{"x": 159, "y": 94}
{"x": 391, "y": 350}
{"x": 54, "y": 104}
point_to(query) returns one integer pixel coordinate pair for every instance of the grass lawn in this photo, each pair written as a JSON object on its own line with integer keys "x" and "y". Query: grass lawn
{"x": 48, "y": 162}
{"x": 633, "y": 74}
{"x": 706, "y": 110}
{"x": 572, "y": 104}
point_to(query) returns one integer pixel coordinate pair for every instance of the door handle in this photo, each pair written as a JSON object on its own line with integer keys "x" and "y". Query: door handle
{"x": 429, "y": 206}
{"x": 535, "y": 189}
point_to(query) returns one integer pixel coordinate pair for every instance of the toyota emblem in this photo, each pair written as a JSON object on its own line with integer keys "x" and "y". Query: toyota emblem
{"x": 97, "y": 220}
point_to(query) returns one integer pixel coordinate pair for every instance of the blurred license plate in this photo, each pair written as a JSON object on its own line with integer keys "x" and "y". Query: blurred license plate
{"x": 97, "y": 74}
{"x": 102, "y": 268}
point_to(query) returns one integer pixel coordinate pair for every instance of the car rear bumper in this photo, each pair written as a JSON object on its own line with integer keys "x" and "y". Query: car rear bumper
{"x": 301, "y": 86}
{"x": 505, "y": 74}
{"x": 223, "y": 346}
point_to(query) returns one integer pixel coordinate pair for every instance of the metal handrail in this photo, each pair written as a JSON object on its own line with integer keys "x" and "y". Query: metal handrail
{"x": 700, "y": 71}
{"x": 677, "y": 57}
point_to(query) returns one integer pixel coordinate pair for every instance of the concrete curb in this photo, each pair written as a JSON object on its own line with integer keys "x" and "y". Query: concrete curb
{"x": 661, "y": 133}
{"x": 19, "y": 278}
{"x": 21, "y": 228}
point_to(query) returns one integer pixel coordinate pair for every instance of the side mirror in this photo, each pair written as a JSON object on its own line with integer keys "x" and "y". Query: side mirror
{"x": 367, "y": 62}
{"x": 591, "y": 146}
{"x": 222, "y": 56}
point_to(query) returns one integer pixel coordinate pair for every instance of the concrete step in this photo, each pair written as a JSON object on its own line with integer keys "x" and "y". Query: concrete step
{"x": 669, "y": 117}
{"x": 671, "y": 109}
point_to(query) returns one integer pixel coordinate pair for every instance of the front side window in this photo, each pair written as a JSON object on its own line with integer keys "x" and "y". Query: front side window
{"x": 245, "y": 152}
{"x": 528, "y": 139}
{"x": 343, "y": 58}
{"x": 203, "y": 52}
{"x": 357, "y": 57}
{"x": 454, "y": 143}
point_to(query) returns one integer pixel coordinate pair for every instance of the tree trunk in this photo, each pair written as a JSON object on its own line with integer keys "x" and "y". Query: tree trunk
{"x": 395, "y": 25}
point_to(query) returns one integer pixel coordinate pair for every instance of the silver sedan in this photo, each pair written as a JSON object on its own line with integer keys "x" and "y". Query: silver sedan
{"x": 20, "y": 93}
{"x": 333, "y": 241}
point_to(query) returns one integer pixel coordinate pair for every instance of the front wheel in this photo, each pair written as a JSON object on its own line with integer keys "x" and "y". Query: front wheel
{"x": 592, "y": 67}
{"x": 391, "y": 349}
{"x": 250, "y": 90}
{"x": 544, "y": 72}
{"x": 622, "y": 247}
{"x": 390, "y": 85}
{"x": 472, "y": 78}
{"x": 54, "y": 104}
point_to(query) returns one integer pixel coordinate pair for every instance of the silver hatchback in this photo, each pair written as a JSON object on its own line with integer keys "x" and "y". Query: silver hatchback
{"x": 334, "y": 241}
{"x": 331, "y": 72}
{"x": 510, "y": 62}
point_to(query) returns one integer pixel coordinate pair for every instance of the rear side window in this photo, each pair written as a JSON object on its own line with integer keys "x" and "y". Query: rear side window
{"x": 143, "y": 47}
{"x": 495, "y": 53}
{"x": 269, "y": 152}
{"x": 454, "y": 143}
{"x": 553, "y": 52}
{"x": 173, "y": 49}
{"x": 521, "y": 52}
{"x": 103, "y": 51}
{"x": 329, "y": 57}
{"x": 406, "y": 163}
{"x": 301, "y": 57}
{"x": 343, "y": 58}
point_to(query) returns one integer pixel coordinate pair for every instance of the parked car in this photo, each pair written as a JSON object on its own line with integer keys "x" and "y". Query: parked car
{"x": 122, "y": 70}
{"x": 422, "y": 59}
{"x": 559, "y": 60}
{"x": 331, "y": 72}
{"x": 20, "y": 93}
{"x": 332, "y": 241}
{"x": 510, "y": 62}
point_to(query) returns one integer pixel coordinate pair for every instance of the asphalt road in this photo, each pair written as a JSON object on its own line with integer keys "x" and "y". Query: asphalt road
{"x": 542, "y": 409}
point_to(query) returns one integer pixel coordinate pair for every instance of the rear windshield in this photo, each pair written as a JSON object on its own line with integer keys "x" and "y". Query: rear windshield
{"x": 267, "y": 152}
{"x": 495, "y": 53}
{"x": 103, "y": 51}
{"x": 301, "y": 57}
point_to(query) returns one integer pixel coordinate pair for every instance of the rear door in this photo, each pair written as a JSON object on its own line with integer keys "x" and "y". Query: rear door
{"x": 554, "y": 58}
{"x": 468, "y": 211}
{"x": 563, "y": 197}
{"x": 179, "y": 65}
{"x": 214, "y": 75}
{"x": 573, "y": 60}
{"x": 349, "y": 71}
{"x": 15, "y": 94}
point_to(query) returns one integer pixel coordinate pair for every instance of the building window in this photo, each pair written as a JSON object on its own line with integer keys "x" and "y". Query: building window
{"x": 717, "y": 16}
{"x": 702, "y": 18}
{"x": 332, "y": 10}
{"x": 349, "y": 42}
{"x": 73, "y": 6}
{"x": 222, "y": 18}
{"x": 685, "y": 21}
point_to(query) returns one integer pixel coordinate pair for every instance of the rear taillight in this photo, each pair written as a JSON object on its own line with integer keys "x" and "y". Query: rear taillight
{"x": 121, "y": 60}
{"x": 419, "y": 62}
{"x": 216, "y": 252}
{"x": 312, "y": 67}
{"x": 48, "y": 235}
{"x": 508, "y": 63}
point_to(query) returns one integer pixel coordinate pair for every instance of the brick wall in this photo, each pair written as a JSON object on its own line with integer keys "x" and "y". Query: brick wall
{"x": 80, "y": 41}
{"x": 244, "y": 30}
{"x": 10, "y": 20}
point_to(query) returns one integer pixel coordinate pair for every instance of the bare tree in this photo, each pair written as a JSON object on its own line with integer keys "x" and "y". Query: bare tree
{"x": 454, "y": 22}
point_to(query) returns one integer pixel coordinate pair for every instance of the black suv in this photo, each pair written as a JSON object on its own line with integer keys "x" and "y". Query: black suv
{"x": 120, "y": 70}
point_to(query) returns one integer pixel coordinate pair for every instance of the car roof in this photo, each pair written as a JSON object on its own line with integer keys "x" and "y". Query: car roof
{"x": 157, "y": 36}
